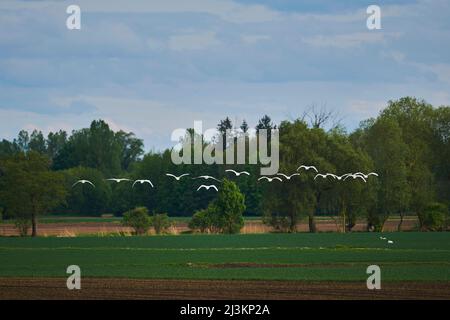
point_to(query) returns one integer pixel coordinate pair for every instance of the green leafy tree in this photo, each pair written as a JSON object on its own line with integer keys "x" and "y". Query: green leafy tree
{"x": 435, "y": 217}
{"x": 227, "y": 209}
{"x": 37, "y": 142}
{"x": 84, "y": 199}
{"x": 389, "y": 153}
{"x": 28, "y": 188}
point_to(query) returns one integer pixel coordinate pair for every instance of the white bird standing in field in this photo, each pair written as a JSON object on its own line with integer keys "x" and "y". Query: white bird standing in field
{"x": 237, "y": 174}
{"x": 207, "y": 187}
{"x": 206, "y": 178}
{"x": 118, "y": 180}
{"x": 177, "y": 178}
{"x": 390, "y": 241}
{"x": 83, "y": 182}
{"x": 270, "y": 179}
{"x": 288, "y": 177}
{"x": 142, "y": 181}
{"x": 308, "y": 168}
{"x": 383, "y": 238}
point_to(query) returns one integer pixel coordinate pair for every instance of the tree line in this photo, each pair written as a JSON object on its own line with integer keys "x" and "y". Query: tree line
{"x": 407, "y": 144}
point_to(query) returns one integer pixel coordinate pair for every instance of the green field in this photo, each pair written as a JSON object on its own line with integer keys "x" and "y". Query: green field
{"x": 324, "y": 256}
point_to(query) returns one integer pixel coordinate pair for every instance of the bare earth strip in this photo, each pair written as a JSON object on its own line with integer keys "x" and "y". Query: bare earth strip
{"x": 54, "y": 288}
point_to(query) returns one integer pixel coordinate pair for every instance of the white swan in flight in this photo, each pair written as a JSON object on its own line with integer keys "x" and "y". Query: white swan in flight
{"x": 83, "y": 182}
{"x": 177, "y": 178}
{"x": 142, "y": 181}
{"x": 270, "y": 179}
{"x": 367, "y": 175}
{"x": 206, "y": 178}
{"x": 207, "y": 187}
{"x": 288, "y": 177}
{"x": 324, "y": 175}
{"x": 118, "y": 180}
{"x": 237, "y": 173}
{"x": 308, "y": 168}
{"x": 355, "y": 176}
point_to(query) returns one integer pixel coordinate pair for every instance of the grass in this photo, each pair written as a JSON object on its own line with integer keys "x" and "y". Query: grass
{"x": 324, "y": 256}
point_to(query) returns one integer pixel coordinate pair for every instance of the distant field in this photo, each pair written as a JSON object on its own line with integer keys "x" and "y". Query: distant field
{"x": 312, "y": 257}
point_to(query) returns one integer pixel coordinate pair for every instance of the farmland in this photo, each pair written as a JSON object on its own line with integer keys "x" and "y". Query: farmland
{"x": 327, "y": 260}
{"x": 327, "y": 256}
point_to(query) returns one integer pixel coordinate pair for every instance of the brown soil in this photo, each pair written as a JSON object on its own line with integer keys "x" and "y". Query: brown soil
{"x": 44, "y": 288}
{"x": 253, "y": 226}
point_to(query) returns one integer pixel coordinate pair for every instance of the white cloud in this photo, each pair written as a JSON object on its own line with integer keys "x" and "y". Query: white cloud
{"x": 348, "y": 40}
{"x": 252, "y": 39}
{"x": 441, "y": 70}
{"x": 227, "y": 10}
{"x": 193, "y": 41}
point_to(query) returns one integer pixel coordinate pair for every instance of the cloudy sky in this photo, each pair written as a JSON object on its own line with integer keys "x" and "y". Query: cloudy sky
{"x": 151, "y": 66}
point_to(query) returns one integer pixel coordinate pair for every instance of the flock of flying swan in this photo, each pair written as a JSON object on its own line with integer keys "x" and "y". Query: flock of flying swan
{"x": 354, "y": 176}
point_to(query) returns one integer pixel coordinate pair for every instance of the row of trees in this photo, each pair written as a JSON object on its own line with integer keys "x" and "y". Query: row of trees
{"x": 408, "y": 145}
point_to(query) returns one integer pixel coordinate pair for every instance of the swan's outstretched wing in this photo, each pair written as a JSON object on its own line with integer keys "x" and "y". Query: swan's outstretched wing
{"x": 90, "y": 183}
{"x": 358, "y": 176}
{"x": 283, "y": 175}
{"x": 76, "y": 183}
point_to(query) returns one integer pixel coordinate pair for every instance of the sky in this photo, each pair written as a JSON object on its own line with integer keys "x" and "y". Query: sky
{"x": 151, "y": 67}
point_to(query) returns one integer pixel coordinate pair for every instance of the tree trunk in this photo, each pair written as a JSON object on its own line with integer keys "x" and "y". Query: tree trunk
{"x": 312, "y": 224}
{"x": 343, "y": 216}
{"x": 399, "y": 227}
{"x": 33, "y": 225}
{"x": 293, "y": 224}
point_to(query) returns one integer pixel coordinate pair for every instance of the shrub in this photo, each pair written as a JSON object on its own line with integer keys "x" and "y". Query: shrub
{"x": 138, "y": 219}
{"x": 224, "y": 214}
{"x": 23, "y": 225}
{"x": 160, "y": 222}
{"x": 201, "y": 221}
{"x": 434, "y": 217}
{"x": 277, "y": 222}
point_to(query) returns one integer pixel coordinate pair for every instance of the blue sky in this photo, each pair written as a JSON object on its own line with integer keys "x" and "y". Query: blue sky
{"x": 153, "y": 66}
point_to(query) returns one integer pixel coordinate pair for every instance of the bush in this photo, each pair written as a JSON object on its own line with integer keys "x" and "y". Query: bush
{"x": 277, "y": 222}
{"x": 23, "y": 225}
{"x": 434, "y": 217}
{"x": 160, "y": 222}
{"x": 201, "y": 221}
{"x": 138, "y": 219}
{"x": 224, "y": 214}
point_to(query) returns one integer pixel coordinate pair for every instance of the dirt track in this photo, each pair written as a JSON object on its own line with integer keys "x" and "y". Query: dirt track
{"x": 13, "y": 288}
